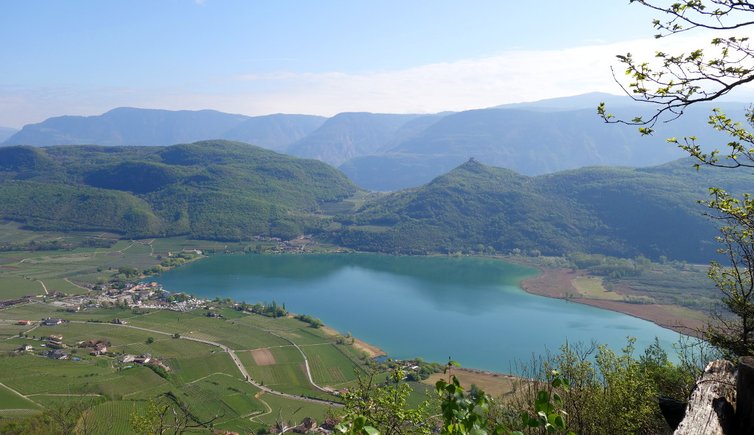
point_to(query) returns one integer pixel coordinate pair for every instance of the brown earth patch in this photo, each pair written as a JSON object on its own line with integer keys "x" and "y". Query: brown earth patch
{"x": 370, "y": 349}
{"x": 553, "y": 283}
{"x": 558, "y": 283}
{"x": 263, "y": 357}
{"x": 494, "y": 384}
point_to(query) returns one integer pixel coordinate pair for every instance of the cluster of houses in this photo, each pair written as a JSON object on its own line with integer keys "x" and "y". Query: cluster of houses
{"x": 57, "y": 348}
{"x": 148, "y": 295}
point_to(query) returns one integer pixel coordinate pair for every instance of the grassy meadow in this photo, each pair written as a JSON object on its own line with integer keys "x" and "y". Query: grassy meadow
{"x": 202, "y": 378}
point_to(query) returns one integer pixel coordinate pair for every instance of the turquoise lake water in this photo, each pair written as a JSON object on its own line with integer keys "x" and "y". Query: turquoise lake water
{"x": 469, "y": 309}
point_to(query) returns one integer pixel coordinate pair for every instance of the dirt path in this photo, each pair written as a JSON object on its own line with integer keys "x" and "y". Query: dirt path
{"x": 127, "y": 247}
{"x": 239, "y": 365}
{"x": 44, "y": 287}
{"x": 18, "y": 393}
{"x": 254, "y": 416}
{"x": 74, "y": 284}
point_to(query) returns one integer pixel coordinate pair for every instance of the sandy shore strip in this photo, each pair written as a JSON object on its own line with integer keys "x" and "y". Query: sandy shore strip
{"x": 371, "y": 350}
{"x": 558, "y": 283}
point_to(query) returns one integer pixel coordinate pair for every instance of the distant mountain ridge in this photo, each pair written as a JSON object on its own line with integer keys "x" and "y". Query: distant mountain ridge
{"x": 153, "y": 127}
{"x": 529, "y": 141}
{"x": 349, "y": 135}
{"x": 387, "y": 152}
{"x": 6, "y": 132}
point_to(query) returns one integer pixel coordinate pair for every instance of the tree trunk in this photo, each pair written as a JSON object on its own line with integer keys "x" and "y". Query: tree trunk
{"x": 745, "y": 395}
{"x": 711, "y": 409}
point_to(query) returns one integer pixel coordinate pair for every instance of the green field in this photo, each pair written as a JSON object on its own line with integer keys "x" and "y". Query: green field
{"x": 12, "y": 287}
{"x": 62, "y": 269}
{"x": 13, "y": 404}
{"x": 202, "y": 377}
{"x": 290, "y": 410}
{"x": 110, "y": 417}
{"x": 329, "y": 366}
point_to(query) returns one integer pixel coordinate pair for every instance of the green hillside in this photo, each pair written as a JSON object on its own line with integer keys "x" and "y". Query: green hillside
{"x": 212, "y": 189}
{"x": 477, "y": 208}
{"x": 223, "y": 190}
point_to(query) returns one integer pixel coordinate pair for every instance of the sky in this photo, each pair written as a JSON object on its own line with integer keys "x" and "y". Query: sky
{"x": 321, "y": 57}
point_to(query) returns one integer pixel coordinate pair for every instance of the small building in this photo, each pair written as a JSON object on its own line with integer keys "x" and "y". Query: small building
{"x": 23, "y": 322}
{"x": 117, "y": 321}
{"x": 143, "y": 359}
{"x": 128, "y": 358}
{"x": 26, "y": 348}
{"x": 99, "y": 349}
{"x": 57, "y": 354}
{"x": 307, "y": 425}
{"x": 52, "y": 322}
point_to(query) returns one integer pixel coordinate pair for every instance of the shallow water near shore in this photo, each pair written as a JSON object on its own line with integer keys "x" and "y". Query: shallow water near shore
{"x": 469, "y": 309}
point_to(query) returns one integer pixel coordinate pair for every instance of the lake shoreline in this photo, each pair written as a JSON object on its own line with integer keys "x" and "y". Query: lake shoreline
{"x": 371, "y": 350}
{"x": 558, "y": 284}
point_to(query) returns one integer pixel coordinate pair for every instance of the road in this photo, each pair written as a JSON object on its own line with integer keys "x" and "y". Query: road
{"x": 241, "y": 367}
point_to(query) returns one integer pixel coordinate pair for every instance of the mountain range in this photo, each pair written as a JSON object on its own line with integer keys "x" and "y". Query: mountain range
{"x": 386, "y": 152}
{"x": 149, "y": 127}
{"x": 234, "y": 191}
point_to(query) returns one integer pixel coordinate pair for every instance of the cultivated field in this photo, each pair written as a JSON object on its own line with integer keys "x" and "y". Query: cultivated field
{"x": 202, "y": 377}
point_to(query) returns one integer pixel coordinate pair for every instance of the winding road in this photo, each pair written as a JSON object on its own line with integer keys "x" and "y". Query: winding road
{"x": 242, "y": 368}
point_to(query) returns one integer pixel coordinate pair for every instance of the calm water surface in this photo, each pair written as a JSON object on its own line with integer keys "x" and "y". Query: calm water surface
{"x": 470, "y": 309}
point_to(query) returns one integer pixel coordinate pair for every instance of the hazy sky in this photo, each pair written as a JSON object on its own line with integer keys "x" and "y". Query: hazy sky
{"x": 307, "y": 56}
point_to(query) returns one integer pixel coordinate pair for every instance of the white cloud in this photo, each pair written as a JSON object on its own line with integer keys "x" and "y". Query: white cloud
{"x": 512, "y": 76}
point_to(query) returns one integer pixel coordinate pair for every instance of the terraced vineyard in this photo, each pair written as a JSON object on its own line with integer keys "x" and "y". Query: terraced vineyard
{"x": 202, "y": 378}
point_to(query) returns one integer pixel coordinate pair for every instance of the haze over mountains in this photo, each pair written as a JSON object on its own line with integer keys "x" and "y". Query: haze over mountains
{"x": 150, "y": 127}
{"x": 6, "y": 132}
{"x": 390, "y": 152}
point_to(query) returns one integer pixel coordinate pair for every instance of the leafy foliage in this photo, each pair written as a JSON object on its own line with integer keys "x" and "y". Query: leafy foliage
{"x": 674, "y": 82}
{"x": 371, "y": 408}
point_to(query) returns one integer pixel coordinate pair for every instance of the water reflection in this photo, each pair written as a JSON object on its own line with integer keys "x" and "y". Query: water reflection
{"x": 417, "y": 306}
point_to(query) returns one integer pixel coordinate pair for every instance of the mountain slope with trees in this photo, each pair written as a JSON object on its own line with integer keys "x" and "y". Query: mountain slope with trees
{"x": 215, "y": 189}
{"x": 531, "y": 139}
{"x": 476, "y": 208}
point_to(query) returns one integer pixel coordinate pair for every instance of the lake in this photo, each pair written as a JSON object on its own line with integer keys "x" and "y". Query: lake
{"x": 467, "y": 308}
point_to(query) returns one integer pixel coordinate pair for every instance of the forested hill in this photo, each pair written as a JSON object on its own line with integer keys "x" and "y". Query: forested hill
{"x": 212, "y": 189}
{"x": 616, "y": 211}
{"x": 235, "y": 191}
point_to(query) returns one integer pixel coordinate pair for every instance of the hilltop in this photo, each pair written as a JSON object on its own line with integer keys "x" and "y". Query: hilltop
{"x": 212, "y": 189}
{"x": 610, "y": 210}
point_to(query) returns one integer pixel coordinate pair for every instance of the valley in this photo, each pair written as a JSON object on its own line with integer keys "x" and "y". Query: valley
{"x": 45, "y": 275}
{"x": 422, "y": 274}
